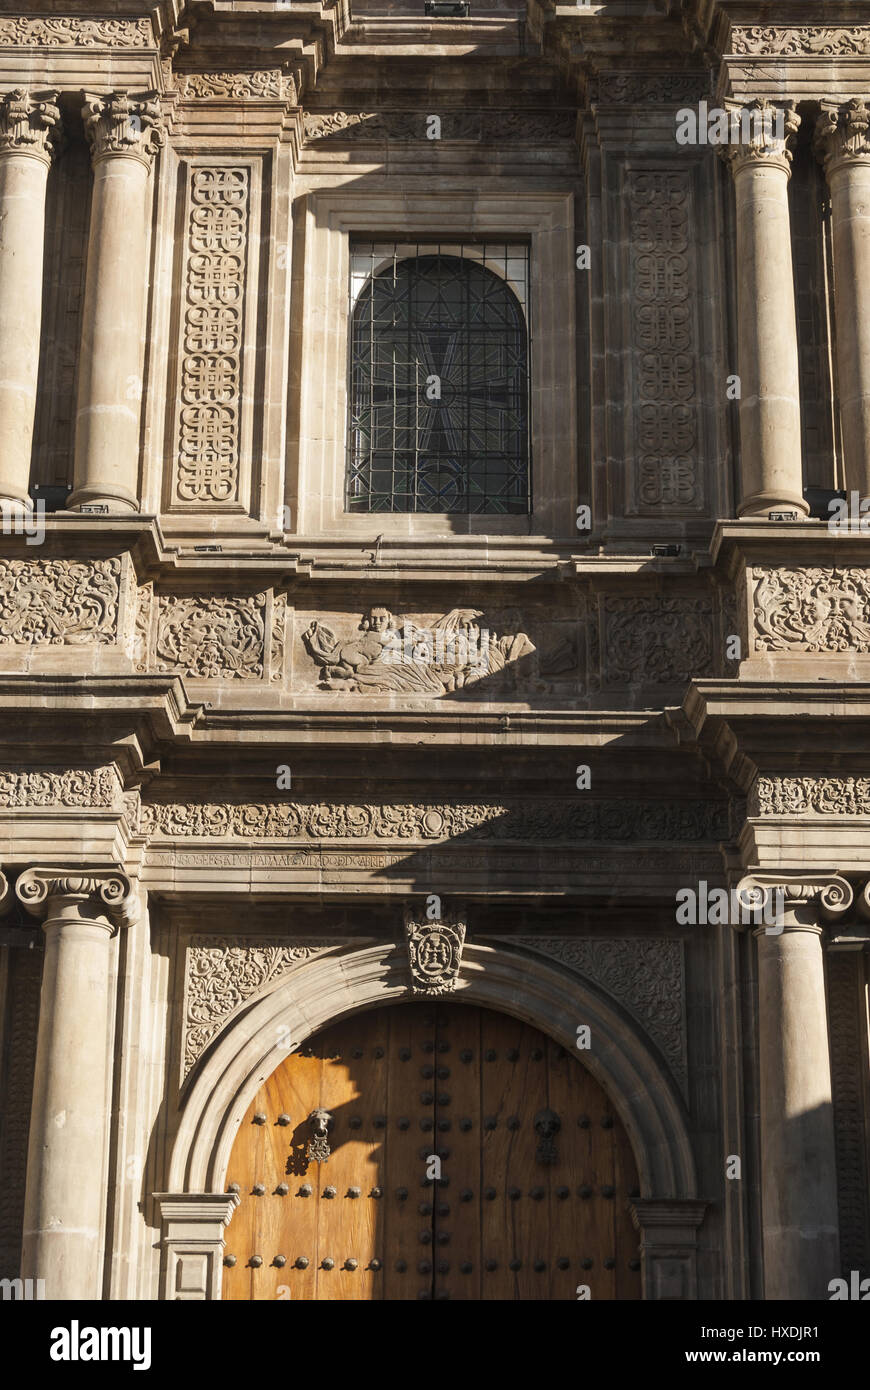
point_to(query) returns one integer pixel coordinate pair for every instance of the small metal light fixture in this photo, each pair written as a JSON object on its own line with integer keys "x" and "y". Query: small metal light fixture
{"x": 782, "y": 516}
{"x": 662, "y": 552}
{"x": 94, "y": 508}
{"x": 447, "y": 9}
{"x": 207, "y": 549}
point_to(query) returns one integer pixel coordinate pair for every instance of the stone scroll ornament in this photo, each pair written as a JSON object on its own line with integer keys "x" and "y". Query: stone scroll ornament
{"x": 435, "y": 955}
{"x": 391, "y": 654}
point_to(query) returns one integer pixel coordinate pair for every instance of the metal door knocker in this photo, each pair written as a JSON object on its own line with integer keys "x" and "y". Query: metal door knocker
{"x": 547, "y": 1126}
{"x": 318, "y": 1145}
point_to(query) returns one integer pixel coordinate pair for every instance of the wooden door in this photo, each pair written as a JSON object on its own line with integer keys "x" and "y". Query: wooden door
{"x": 519, "y": 1212}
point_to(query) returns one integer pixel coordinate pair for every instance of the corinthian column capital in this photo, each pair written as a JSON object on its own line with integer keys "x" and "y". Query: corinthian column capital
{"x": 30, "y": 124}
{"x": 760, "y": 133}
{"x": 93, "y": 893}
{"x": 842, "y": 133}
{"x": 121, "y": 124}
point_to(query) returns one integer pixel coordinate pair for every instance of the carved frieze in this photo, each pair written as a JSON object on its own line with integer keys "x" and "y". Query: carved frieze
{"x": 98, "y": 786}
{"x": 810, "y": 796}
{"x": 778, "y": 41}
{"x": 210, "y": 636}
{"x": 222, "y": 972}
{"x": 59, "y": 602}
{"x": 434, "y": 955}
{"x": 261, "y": 82}
{"x": 212, "y": 332}
{"x": 645, "y": 975}
{"x": 657, "y": 640}
{"x": 68, "y": 31}
{"x": 822, "y": 608}
{"x": 640, "y": 88}
{"x": 563, "y": 821}
{"x": 664, "y": 343}
{"x": 534, "y": 127}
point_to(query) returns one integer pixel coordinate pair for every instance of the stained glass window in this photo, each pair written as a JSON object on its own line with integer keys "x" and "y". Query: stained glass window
{"x": 439, "y": 379}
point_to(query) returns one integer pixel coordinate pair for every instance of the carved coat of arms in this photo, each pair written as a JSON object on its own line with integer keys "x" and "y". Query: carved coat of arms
{"x": 435, "y": 954}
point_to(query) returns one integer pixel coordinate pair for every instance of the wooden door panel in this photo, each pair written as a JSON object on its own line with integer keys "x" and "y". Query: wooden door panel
{"x": 511, "y": 1219}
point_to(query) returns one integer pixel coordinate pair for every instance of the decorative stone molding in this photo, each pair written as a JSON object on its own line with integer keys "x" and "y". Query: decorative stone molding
{"x": 645, "y": 975}
{"x": 776, "y": 41}
{"x": 763, "y": 145}
{"x": 121, "y": 124}
{"x": 668, "y": 1246}
{"x": 223, "y": 972}
{"x": 193, "y": 1242}
{"x": 211, "y": 637}
{"x": 76, "y": 787}
{"x": 664, "y": 343}
{"x": 824, "y": 608}
{"x": 212, "y": 333}
{"x": 30, "y": 124}
{"x": 67, "y": 31}
{"x": 59, "y": 602}
{"x": 641, "y": 88}
{"x": 810, "y": 796}
{"x": 238, "y": 86}
{"x": 533, "y": 127}
{"x": 656, "y": 640}
{"x": 548, "y": 822}
{"x": 842, "y": 134}
{"x": 41, "y": 891}
{"x": 434, "y": 954}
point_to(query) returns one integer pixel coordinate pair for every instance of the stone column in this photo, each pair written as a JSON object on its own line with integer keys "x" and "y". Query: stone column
{"x": 29, "y": 126}
{"x": 798, "y": 1166}
{"x": 767, "y": 351}
{"x": 65, "y": 1201}
{"x": 193, "y": 1243}
{"x": 843, "y": 144}
{"x": 124, "y": 134}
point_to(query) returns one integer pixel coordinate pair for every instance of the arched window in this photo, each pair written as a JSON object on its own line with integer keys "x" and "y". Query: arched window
{"x": 439, "y": 385}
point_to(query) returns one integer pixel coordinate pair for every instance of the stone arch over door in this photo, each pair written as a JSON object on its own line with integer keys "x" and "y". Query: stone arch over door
{"x": 195, "y": 1207}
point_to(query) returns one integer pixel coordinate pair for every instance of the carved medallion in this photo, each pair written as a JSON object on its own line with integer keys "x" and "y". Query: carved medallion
{"x": 435, "y": 954}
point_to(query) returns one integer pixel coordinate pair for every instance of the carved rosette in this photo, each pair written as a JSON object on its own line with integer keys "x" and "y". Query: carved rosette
{"x": 51, "y": 892}
{"x": 121, "y": 124}
{"x": 760, "y": 120}
{"x": 434, "y": 954}
{"x": 30, "y": 124}
{"x": 841, "y": 135}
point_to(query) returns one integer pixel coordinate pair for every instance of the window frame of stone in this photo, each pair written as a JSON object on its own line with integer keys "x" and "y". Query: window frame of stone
{"x": 326, "y": 224}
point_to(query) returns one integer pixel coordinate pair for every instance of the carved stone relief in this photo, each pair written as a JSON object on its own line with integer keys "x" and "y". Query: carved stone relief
{"x": 212, "y": 332}
{"x": 59, "y": 602}
{"x": 521, "y": 821}
{"x": 819, "y": 609}
{"x": 656, "y": 640}
{"x": 770, "y": 40}
{"x": 211, "y": 637}
{"x": 646, "y": 976}
{"x": 810, "y": 796}
{"x": 222, "y": 972}
{"x": 638, "y": 88}
{"x": 68, "y": 787}
{"x": 664, "y": 344}
{"x": 434, "y": 955}
{"x": 78, "y": 33}
{"x": 263, "y": 82}
{"x": 534, "y": 127}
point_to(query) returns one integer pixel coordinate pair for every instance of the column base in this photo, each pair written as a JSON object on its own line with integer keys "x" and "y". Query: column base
{"x": 14, "y": 501}
{"x": 116, "y": 498}
{"x": 760, "y": 504}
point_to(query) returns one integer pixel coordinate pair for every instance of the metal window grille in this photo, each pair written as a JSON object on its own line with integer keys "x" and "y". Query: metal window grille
{"x": 439, "y": 379}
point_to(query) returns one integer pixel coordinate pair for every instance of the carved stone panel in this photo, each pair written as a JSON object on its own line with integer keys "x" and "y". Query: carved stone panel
{"x": 60, "y": 602}
{"x": 779, "y": 41}
{"x": 664, "y": 345}
{"x": 823, "y": 608}
{"x": 656, "y": 640}
{"x": 223, "y": 972}
{"x": 216, "y": 348}
{"x": 20, "y": 31}
{"x": 211, "y": 637}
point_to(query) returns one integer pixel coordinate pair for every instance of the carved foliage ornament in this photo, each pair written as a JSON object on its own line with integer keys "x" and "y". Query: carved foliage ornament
{"x": 223, "y": 972}
{"x": 79, "y": 33}
{"x": 766, "y": 133}
{"x": 434, "y": 954}
{"x": 212, "y": 638}
{"x": 123, "y": 124}
{"x": 664, "y": 335}
{"x": 409, "y": 126}
{"x": 807, "y": 796}
{"x": 657, "y": 640}
{"x": 820, "y": 609}
{"x": 772, "y": 40}
{"x": 60, "y": 602}
{"x": 211, "y": 351}
{"x": 70, "y": 787}
{"x": 842, "y": 133}
{"x": 262, "y": 82}
{"x": 29, "y": 123}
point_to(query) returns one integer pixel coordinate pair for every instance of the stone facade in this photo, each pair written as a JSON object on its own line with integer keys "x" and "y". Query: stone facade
{"x": 220, "y": 802}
